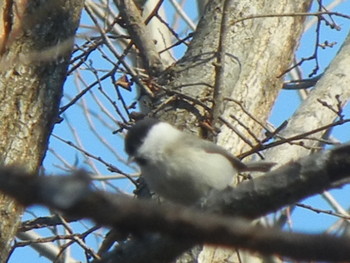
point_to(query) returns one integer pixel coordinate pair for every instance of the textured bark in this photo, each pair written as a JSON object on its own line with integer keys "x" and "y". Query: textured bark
{"x": 334, "y": 83}
{"x": 237, "y": 58}
{"x": 258, "y": 50}
{"x": 35, "y": 44}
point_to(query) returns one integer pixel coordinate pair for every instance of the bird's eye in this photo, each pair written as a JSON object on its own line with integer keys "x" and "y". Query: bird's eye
{"x": 141, "y": 161}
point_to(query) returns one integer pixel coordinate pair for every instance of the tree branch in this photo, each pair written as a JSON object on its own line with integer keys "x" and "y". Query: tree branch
{"x": 140, "y": 35}
{"x": 181, "y": 227}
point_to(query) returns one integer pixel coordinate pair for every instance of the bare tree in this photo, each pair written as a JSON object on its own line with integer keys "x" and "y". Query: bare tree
{"x": 235, "y": 63}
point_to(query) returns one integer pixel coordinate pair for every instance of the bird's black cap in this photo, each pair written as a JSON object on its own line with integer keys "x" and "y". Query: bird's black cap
{"x": 137, "y": 134}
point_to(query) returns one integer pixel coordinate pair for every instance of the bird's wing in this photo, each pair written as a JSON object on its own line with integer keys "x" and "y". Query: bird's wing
{"x": 211, "y": 147}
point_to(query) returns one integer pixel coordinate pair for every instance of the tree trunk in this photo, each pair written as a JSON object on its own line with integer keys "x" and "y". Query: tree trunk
{"x": 234, "y": 65}
{"x": 35, "y": 45}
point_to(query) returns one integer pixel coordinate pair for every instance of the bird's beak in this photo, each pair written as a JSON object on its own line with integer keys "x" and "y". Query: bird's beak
{"x": 131, "y": 159}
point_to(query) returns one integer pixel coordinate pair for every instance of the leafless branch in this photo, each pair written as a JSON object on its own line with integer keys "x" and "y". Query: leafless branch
{"x": 139, "y": 33}
{"x": 187, "y": 226}
{"x": 301, "y": 84}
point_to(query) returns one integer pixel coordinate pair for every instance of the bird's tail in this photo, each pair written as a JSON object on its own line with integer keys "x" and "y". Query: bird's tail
{"x": 259, "y": 166}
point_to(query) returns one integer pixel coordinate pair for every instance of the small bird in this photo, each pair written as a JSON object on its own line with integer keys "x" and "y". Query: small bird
{"x": 181, "y": 167}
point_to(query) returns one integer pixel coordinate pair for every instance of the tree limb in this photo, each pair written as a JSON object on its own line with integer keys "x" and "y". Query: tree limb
{"x": 140, "y": 35}
{"x": 182, "y": 227}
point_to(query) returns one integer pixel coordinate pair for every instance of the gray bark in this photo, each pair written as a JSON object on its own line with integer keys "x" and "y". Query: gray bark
{"x": 35, "y": 49}
{"x": 233, "y": 56}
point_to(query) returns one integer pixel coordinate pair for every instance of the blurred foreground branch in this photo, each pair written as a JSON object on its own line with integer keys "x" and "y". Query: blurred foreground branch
{"x": 179, "y": 228}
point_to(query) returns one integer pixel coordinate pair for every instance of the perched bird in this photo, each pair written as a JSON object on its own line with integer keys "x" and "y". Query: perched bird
{"x": 181, "y": 167}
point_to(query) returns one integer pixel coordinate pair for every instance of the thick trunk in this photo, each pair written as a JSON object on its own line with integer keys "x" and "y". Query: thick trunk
{"x": 232, "y": 70}
{"x": 35, "y": 46}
